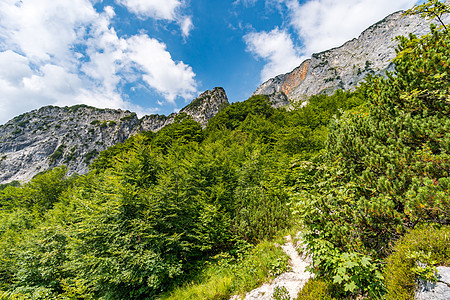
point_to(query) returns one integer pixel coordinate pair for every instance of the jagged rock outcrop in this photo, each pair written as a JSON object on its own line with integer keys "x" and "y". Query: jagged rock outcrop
{"x": 154, "y": 122}
{"x": 73, "y": 136}
{"x": 346, "y": 66}
{"x": 206, "y": 105}
{"x": 201, "y": 109}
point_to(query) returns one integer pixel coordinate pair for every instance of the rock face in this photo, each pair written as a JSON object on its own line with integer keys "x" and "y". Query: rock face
{"x": 206, "y": 105}
{"x": 439, "y": 290}
{"x": 344, "y": 67}
{"x": 73, "y": 136}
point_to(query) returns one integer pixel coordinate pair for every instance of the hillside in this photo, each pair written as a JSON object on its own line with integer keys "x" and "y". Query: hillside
{"x": 52, "y": 136}
{"x": 357, "y": 180}
{"x": 73, "y": 136}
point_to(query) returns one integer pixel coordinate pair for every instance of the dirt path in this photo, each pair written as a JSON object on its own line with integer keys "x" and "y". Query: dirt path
{"x": 293, "y": 281}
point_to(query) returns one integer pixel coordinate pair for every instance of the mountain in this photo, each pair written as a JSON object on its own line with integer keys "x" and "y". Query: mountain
{"x": 51, "y": 136}
{"x": 346, "y": 66}
{"x": 73, "y": 136}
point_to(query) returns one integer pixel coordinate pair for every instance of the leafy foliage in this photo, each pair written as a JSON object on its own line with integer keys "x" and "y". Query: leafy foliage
{"x": 316, "y": 289}
{"x": 225, "y": 275}
{"x": 156, "y": 207}
{"x": 385, "y": 168}
{"x": 432, "y": 9}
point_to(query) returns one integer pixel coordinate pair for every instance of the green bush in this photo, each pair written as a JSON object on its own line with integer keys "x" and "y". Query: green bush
{"x": 57, "y": 154}
{"x": 128, "y": 118}
{"x": 281, "y": 293}
{"x": 90, "y": 155}
{"x": 429, "y": 245}
{"x": 385, "y": 168}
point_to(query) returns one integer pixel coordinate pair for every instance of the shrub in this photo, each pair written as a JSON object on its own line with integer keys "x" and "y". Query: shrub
{"x": 429, "y": 245}
{"x": 385, "y": 168}
{"x": 128, "y": 118}
{"x": 90, "y": 155}
{"x": 281, "y": 293}
{"x": 316, "y": 289}
{"x": 57, "y": 154}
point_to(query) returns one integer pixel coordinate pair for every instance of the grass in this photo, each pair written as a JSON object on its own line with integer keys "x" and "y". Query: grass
{"x": 316, "y": 289}
{"x": 429, "y": 245}
{"x": 227, "y": 276}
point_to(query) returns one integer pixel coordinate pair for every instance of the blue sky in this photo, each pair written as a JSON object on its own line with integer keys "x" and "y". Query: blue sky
{"x": 155, "y": 56}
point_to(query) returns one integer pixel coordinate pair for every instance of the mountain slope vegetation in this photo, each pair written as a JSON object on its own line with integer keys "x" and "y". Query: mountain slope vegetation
{"x": 165, "y": 211}
{"x": 153, "y": 210}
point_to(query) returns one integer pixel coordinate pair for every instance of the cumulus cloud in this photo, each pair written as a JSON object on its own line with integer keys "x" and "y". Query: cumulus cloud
{"x": 276, "y": 48}
{"x": 45, "y": 29}
{"x": 323, "y": 24}
{"x": 156, "y": 9}
{"x": 66, "y": 53}
{"x": 17, "y": 67}
{"x": 161, "y": 72}
{"x": 160, "y": 10}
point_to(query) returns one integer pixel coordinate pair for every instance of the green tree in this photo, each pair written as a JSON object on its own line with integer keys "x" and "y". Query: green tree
{"x": 432, "y": 9}
{"x": 261, "y": 202}
{"x": 386, "y": 168}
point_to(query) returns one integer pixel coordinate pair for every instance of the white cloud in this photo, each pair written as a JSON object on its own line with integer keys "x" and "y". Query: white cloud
{"x": 17, "y": 67}
{"x": 186, "y": 26}
{"x": 275, "y": 47}
{"x": 324, "y": 24}
{"x": 66, "y": 53}
{"x": 44, "y": 29}
{"x": 168, "y": 77}
{"x": 155, "y": 9}
{"x": 169, "y": 10}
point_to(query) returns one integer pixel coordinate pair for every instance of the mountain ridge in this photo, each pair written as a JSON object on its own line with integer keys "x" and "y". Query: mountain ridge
{"x": 345, "y": 66}
{"x": 51, "y": 136}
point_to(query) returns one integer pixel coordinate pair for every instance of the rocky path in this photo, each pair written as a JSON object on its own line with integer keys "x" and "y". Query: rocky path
{"x": 293, "y": 281}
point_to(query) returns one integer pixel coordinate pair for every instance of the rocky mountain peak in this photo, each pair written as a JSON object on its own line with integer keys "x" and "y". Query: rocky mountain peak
{"x": 346, "y": 66}
{"x": 205, "y": 106}
{"x": 201, "y": 109}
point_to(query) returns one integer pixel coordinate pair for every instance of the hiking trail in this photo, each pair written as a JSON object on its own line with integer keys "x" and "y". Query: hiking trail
{"x": 293, "y": 281}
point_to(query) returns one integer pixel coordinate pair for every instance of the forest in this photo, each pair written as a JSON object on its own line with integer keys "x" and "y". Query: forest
{"x": 192, "y": 213}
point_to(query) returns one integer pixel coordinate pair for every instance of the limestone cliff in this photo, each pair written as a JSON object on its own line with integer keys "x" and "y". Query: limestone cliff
{"x": 345, "y": 66}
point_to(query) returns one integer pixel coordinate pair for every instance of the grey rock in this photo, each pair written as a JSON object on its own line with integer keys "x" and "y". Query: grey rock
{"x": 154, "y": 122}
{"x": 346, "y": 66}
{"x": 201, "y": 109}
{"x": 204, "y": 107}
{"x": 73, "y": 136}
{"x": 51, "y": 136}
{"x": 444, "y": 275}
{"x": 439, "y": 290}
{"x": 278, "y": 99}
